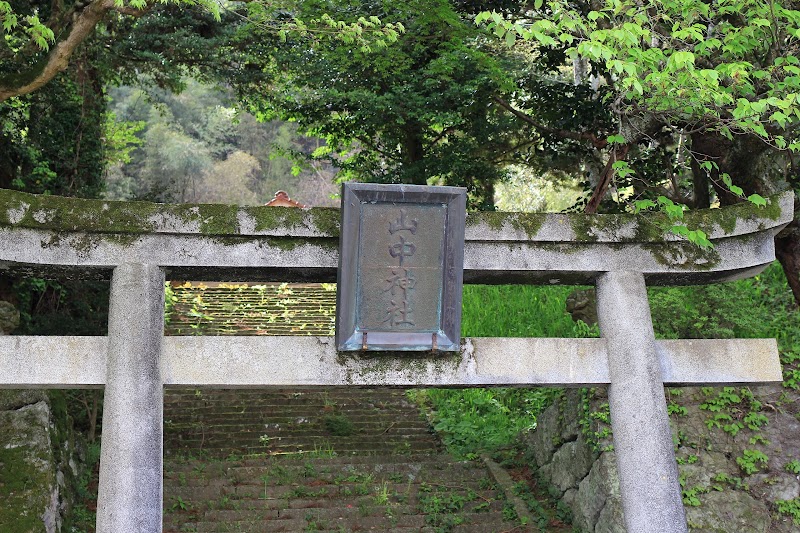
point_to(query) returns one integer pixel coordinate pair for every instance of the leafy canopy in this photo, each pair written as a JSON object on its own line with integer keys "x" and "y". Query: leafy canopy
{"x": 729, "y": 66}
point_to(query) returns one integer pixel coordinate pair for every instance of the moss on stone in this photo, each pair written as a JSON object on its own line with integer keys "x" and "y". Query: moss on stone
{"x": 27, "y": 473}
{"x": 529, "y": 223}
{"x": 75, "y": 214}
{"x": 272, "y": 218}
{"x": 98, "y": 216}
{"x": 22, "y": 506}
{"x": 326, "y": 220}
{"x": 494, "y": 219}
{"x": 377, "y": 365}
{"x": 589, "y": 228}
{"x": 218, "y": 219}
{"x": 685, "y": 255}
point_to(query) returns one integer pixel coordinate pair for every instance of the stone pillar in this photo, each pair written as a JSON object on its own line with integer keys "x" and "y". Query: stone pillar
{"x": 649, "y": 486}
{"x": 130, "y": 495}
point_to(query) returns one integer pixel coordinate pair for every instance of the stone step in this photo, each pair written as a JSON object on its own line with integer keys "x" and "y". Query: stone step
{"x": 320, "y": 393}
{"x": 267, "y": 438}
{"x": 400, "y": 480}
{"x": 433, "y": 461}
{"x": 286, "y": 409}
{"x": 469, "y": 523}
{"x": 222, "y": 450}
{"x": 300, "y": 426}
{"x": 239, "y": 494}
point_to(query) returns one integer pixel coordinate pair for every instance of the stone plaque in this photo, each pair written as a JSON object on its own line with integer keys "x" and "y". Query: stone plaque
{"x": 401, "y": 256}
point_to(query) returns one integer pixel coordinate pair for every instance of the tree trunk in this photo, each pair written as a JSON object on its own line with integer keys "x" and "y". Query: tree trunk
{"x": 787, "y": 250}
{"x": 413, "y": 153}
{"x": 701, "y": 197}
{"x": 756, "y": 168}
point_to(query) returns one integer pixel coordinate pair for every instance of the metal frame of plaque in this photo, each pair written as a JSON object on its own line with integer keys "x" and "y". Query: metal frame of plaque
{"x": 401, "y": 264}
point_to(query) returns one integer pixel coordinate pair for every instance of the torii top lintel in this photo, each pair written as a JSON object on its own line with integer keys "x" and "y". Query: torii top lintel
{"x": 55, "y": 236}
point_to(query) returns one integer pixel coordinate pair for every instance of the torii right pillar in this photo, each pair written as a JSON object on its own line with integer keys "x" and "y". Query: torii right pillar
{"x": 648, "y": 472}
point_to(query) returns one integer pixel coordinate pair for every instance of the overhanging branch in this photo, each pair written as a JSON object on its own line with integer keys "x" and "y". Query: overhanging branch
{"x": 57, "y": 59}
{"x": 564, "y": 134}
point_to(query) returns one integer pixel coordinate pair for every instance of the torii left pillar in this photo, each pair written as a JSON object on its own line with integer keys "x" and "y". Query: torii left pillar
{"x": 130, "y": 495}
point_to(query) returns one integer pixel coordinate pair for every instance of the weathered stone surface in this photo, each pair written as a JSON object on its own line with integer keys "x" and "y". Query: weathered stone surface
{"x": 582, "y": 305}
{"x": 222, "y": 242}
{"x": 729, "y": 499}
{"x": 9, "y": 317}
{"x": 570, "y": 465}
{"x": 708, "y": 465}
{"x": 648, "y": 473}
{"x": 597, "y": 490}
{"x": 15, "y": 398}
{"x": 543, "y": 442}
{"x": 729, "y": 511}
{"x": 775, "y": 486}
{"x": 130, "y": 495}
{"x": 290, "y": 360}
{"x": 29, "y": 489}
{"x": 610, "y": 519}
{"x": 568, "y": 422}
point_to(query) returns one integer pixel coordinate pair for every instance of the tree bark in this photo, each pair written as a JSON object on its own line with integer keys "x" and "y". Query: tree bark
{"x": 787, "y": 250}
{"x": 58, "y": 57}
{"x": 617, "y": 154}
{"x": 756, "y": 168}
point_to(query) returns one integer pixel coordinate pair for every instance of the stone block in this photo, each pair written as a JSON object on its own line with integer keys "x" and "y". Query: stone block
{"x": 570, "y": 464}
{"x": 16, "y": 398}
{"x": 597, "y": 490}
{"x": 544, "y": 440}
{"x": 29, "y": 490}
{"x": 728, "y": 510}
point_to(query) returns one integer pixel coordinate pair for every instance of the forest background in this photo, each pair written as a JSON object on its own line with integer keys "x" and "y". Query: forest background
{"x": 600, "y": 106}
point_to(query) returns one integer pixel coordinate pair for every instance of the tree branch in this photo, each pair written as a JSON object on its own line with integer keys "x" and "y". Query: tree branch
{"x": 564, "y": 134}
{"x": 57, "y": 59}
{"x": 617, "y": 154}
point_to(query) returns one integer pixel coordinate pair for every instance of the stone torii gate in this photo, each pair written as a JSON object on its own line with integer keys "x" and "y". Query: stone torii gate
{"x": 137, "y": 245}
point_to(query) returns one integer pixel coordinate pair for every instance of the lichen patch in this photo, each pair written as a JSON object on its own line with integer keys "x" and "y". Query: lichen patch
{"x": 15, "y": 215}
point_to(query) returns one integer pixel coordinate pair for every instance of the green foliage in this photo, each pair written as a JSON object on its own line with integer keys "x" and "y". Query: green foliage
{"x": 51, "y": 142}
{"x": 442, "y": 506}
{"x": 62, "y": 308}
{"x": 790, "y": 508}
{"x": 685, "y": 60}
{"x": 722, "y": 480}
{"x": 414, "y": 112}
{"x": 793, "y": 466}
{"x": 475, "y": 420}
{"x": 338, "y": 425}
{"x": 676, "y": 409}
{"x": 734, "y": 410}
{"x": 752, "y": 461}
{"x": 518, "y": 311}
{"x": 195, "y": 146}
{"x": 691, "y": 496}
{"x": 716, "y": 311}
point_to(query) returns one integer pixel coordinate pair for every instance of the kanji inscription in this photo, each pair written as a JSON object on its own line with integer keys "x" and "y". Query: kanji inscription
{"x": 401, "y": 262}
{"x": 401, "y": 258}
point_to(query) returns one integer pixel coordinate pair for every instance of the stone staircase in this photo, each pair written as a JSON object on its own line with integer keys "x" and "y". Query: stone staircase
{"x": 221, "y": 423}
{"x": 315, "y": 459}
{"x": 242, "y": 309}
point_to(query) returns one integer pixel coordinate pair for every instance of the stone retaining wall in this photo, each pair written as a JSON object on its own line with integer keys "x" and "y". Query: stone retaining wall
{"x": 733, "y": 478}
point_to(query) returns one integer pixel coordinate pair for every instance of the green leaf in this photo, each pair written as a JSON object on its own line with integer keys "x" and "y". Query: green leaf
{"x": 511, "y": 38}
{"x": 757, "y": 199}
{"x": 642, "y": 205}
